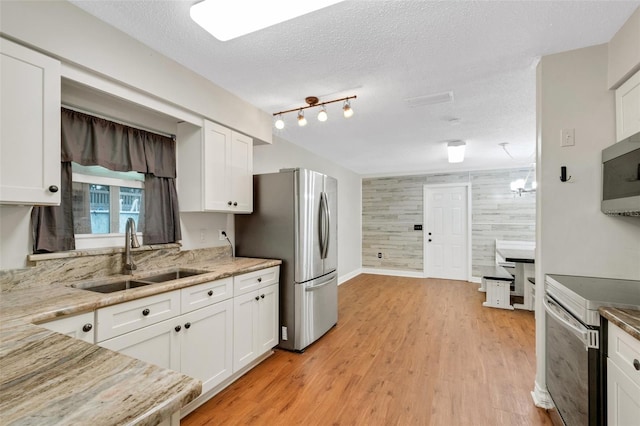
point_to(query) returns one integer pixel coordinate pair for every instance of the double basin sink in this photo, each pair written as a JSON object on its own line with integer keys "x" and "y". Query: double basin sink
{"x": 109, "y": 286}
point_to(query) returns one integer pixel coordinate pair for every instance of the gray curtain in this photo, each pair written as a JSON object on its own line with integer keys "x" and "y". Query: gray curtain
{"x": 93, "y": 141}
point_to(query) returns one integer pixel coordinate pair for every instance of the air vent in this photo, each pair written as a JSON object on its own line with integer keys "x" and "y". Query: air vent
{"x": 438, "y": 98}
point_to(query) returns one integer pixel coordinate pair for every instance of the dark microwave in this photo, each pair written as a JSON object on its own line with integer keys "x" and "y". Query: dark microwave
{"x": 621, "y": 178}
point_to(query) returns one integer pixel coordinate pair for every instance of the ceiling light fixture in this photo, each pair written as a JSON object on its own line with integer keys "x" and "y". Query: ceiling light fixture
{"x": 322, "y": 115}
{"x": 313, "y": 101}
{"x": 279, "y": 123}
{"x": 518, "y": 186}
{"x": 455, "y": 151}
{"x": 229, "y": 19}
{"x": 301, "y": 120}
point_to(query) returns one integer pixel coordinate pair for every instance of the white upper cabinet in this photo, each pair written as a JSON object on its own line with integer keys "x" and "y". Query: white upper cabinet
{"x": 30, "y": 126}
{"x": 215, "y": 169}
{"x": 628, "y": 108}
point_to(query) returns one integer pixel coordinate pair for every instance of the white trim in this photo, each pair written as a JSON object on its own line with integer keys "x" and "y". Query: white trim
{"x": 113, "y": 88}
{"x": 346, "y": 277}
{"x": 393, "y": 272}
{"x": 541, "y": 397}
{"x": 476, "y": 280}
{"x": 108, "y": 181}
{"x": 467, "y": 186}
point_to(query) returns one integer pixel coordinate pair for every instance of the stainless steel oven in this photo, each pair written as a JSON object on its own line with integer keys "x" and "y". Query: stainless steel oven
{"x": 575, "y": 360}
{"x": 573, "y": 367}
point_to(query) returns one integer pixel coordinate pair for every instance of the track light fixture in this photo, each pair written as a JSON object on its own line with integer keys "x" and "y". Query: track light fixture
{"x": 313, "y": 101}
{"x": 301, "y": 120}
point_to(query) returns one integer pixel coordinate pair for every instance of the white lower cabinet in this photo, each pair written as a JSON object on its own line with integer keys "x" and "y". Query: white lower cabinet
{"x": 198, "y": 344}
{"x": 78, "y": 326}
{"x": 206, "y": 345}
{"x": 623, "y": 378}
{"x": 255, "y": 325}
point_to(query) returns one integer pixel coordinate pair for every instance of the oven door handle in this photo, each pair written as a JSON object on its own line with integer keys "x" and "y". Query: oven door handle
{"x": 581, "y": 332}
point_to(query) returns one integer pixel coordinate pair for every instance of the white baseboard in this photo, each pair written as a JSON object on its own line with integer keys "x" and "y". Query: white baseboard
{"x": 541, "y": 397}
{"x": 477, "y": 280}
{"x": 393, "y": 272}
{"x": 346, "y": 277}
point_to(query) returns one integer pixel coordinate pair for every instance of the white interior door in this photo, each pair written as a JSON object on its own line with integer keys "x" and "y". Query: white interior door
{"x": 446, "y": 239}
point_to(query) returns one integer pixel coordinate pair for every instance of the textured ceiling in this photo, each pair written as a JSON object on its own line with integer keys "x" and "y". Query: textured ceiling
{"x": 386, "y": 52}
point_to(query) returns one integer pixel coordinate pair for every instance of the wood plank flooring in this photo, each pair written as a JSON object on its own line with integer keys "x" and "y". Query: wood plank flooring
{"x": 406, "y": 351}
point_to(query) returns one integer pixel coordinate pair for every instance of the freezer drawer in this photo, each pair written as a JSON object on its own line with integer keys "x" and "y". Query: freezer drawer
{"x": 316, "y": 309}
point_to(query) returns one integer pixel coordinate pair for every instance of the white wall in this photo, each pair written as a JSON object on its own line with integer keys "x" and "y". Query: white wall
{"x": 573, "y": 236}
{"x": 283, "y": 154}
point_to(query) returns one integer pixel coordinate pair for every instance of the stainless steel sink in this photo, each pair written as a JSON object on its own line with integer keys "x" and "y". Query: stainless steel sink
{"x": 112, "y": 286}
{"x": 170, "y": 276}
{"x": 108, "y": 286}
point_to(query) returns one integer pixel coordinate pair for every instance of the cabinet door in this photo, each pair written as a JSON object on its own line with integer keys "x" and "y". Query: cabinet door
{"x": 268, "y": 319}
{"x": 206, "y": 344}
{"x": 157, "y": 344}
{"x": 217, "y": 154}
{"x": 30, "y": 126}
{"x": 79, "y": 327}
{"x": 241, "y": 173}
{"x": 628, "y": 108}
{"x": 245, "y": 331}
{"x": 623, "y": 397}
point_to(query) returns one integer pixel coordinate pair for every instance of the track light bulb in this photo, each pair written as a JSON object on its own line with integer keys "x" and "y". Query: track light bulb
{"x": 279, "y": 123}
{"x": 322, "y": 115}
{"x": 301, "y": 120}
{"x": 348, "y": 112}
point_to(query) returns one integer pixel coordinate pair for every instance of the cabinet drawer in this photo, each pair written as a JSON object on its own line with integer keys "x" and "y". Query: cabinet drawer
{"x": 624, "y": 350}
{"x": 205, "y": 294}
{"x": 254, "y": 280}
{"x": 125, "y": 317}
{"x": 76, "y": 326}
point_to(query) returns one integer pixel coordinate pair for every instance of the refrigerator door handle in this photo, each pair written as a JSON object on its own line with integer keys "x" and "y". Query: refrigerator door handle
{"x": 316, "y": 287}
{"x": 324, "y": 225}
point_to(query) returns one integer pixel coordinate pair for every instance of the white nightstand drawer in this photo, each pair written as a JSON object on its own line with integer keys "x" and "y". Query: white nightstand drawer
{"x": 125, "y": 317}
{"x": 254, "y": 280}
{"x": 201, "y": 295}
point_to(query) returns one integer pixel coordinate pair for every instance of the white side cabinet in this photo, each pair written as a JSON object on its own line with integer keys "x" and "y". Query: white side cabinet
{"x": 623, "y": 378}
{"x": 255, "y": 316}
{"x": 79, "y": 327}
{"x": 30, "y": 126}
{"x": 215, "y": 169}
{"x": 628, "y": 108}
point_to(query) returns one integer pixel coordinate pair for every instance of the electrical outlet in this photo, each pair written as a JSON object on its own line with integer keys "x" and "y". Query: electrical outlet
{"x": 222, "y": 235}
{"x": 203, "y": 233}
{"x": 568, "y": 137}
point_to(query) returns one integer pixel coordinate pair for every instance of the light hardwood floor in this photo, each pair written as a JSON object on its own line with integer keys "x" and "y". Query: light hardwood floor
{"x": 406, "y": 351}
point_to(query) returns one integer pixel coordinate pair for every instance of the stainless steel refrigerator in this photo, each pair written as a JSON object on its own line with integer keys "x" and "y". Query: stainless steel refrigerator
{"x": 295, "y": 219}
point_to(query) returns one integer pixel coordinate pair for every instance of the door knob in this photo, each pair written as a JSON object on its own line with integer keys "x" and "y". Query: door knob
{"x": 53, "y": 189}
{"x": 235, "y": 203}
{"x": 257, "y": 298}
{"x": 210, "y": 292}
{"x": 87, "y": 327}
{"x": 177, "y": 328}
{"x": 187, "y": 325}
{"x": 146, "y": 312}
{"x": 429, "y": 239}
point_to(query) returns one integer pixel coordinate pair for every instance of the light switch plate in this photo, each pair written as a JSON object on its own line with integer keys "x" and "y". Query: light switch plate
{"x": 568, "y": 137}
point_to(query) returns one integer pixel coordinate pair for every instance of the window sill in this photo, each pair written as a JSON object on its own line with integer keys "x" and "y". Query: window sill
{"x": 33, "y": 258}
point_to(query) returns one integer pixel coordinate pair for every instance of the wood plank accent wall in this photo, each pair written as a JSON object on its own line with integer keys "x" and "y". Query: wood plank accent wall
{"x": 392, "y": 205}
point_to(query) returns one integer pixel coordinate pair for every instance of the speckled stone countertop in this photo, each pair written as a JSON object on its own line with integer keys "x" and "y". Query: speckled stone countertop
{"x": 48, "y": 378}
{"x": 626, "y": 319}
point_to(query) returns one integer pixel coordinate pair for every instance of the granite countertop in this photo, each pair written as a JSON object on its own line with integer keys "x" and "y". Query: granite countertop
{"x": 49, "y": 378}
{"x": 626, "y": 319}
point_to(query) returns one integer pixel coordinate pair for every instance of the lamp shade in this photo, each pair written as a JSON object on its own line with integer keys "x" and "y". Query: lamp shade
{"x": 455, "y": 151}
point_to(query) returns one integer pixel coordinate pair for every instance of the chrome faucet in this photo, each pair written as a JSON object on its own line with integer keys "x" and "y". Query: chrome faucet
{"x": 130, "y": 241}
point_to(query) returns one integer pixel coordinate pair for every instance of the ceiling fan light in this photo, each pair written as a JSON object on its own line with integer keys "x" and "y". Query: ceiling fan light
{"x": 301, "y": 120}
{"x": 347, "y": 110}
{"x": 279, "y": 123}
{"x": 455, "y": 151}
{"x": 322, "y": 115}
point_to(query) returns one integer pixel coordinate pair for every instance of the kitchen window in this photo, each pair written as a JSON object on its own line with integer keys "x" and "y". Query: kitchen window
{"x": 103, "y": 200}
